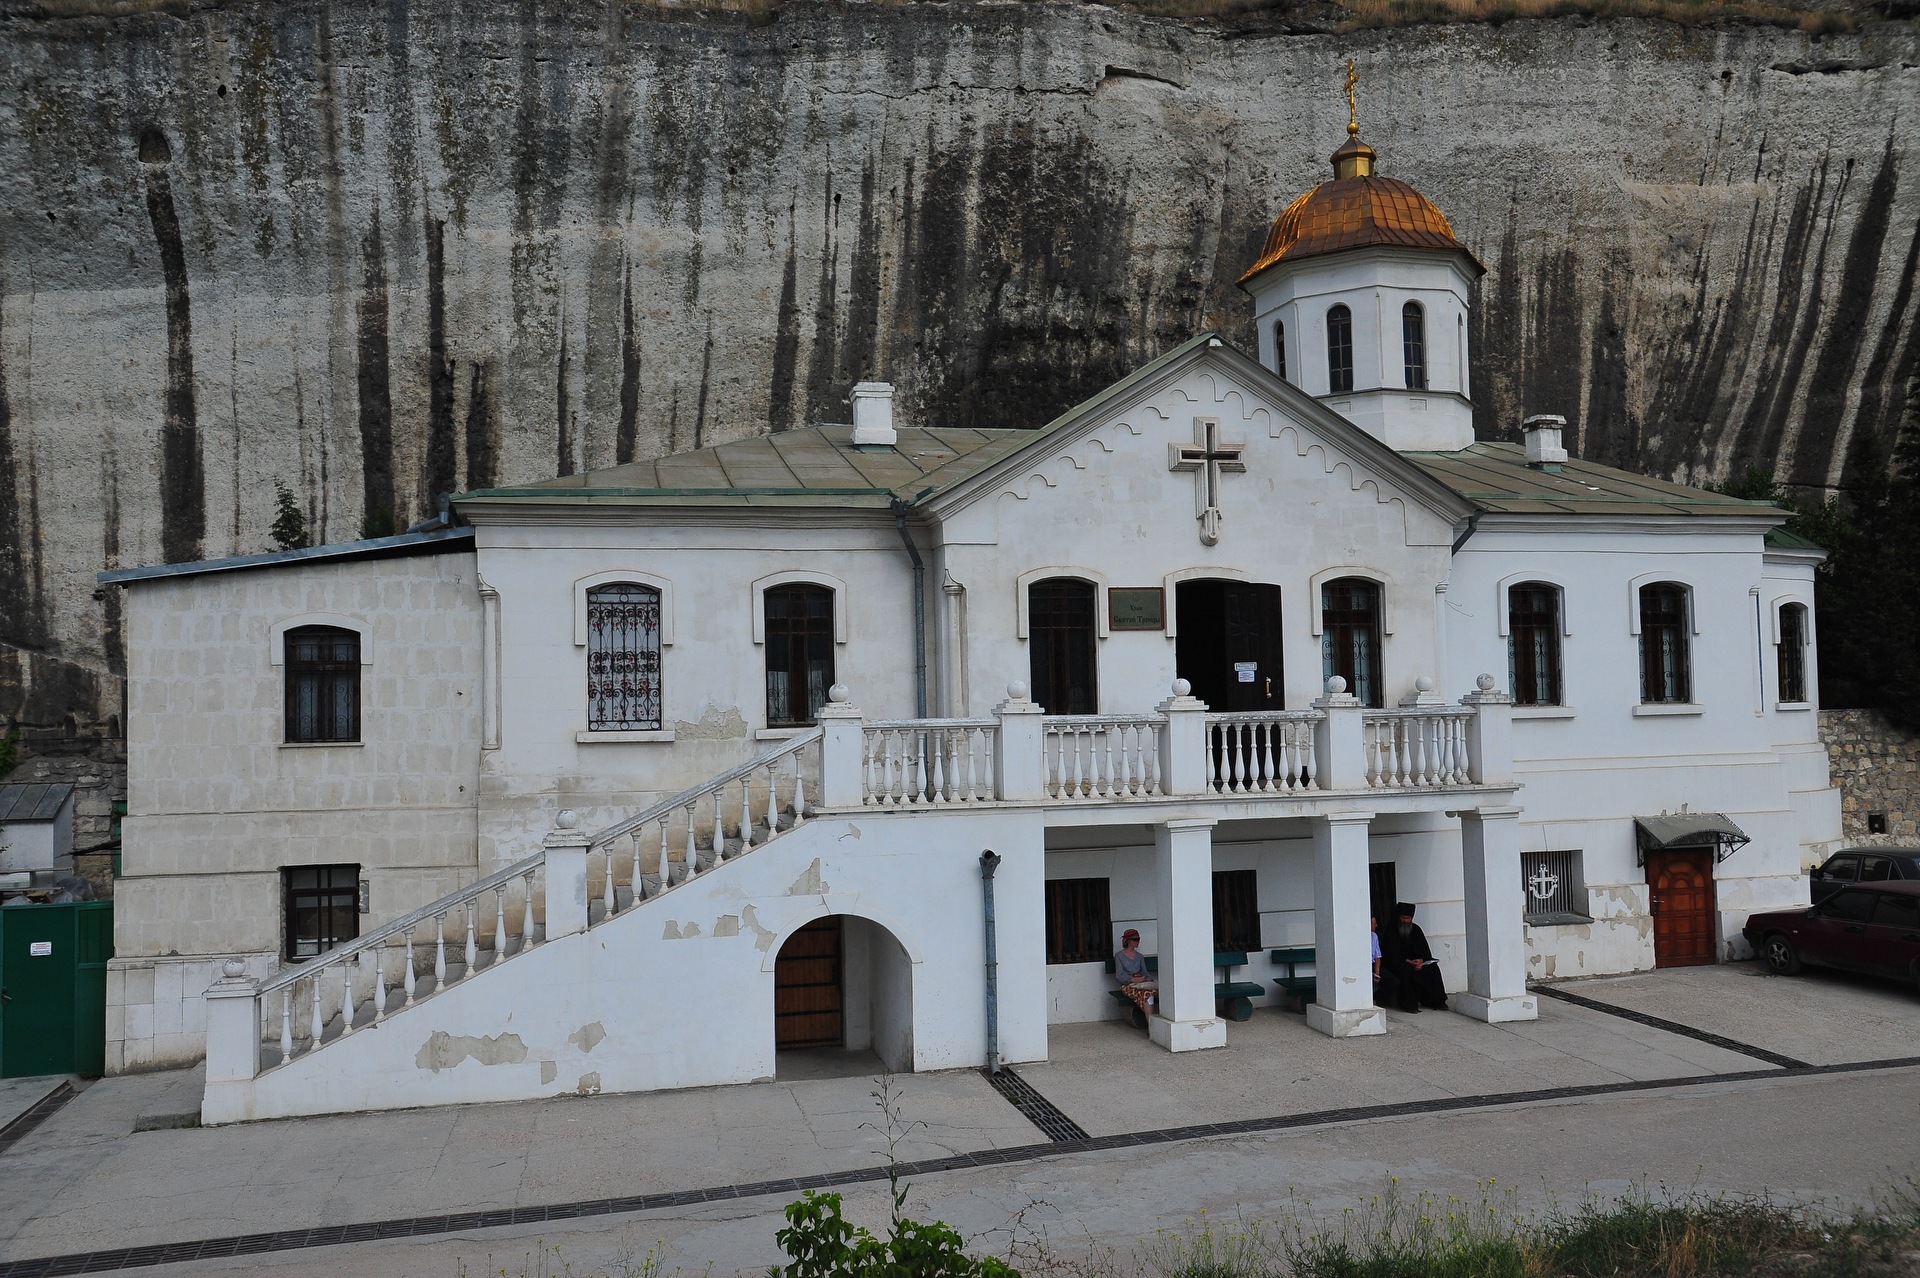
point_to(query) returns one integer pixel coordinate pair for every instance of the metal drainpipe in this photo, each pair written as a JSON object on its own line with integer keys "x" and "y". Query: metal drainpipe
{"x": 989, "y": 862}
{"x": 919, "y": 610}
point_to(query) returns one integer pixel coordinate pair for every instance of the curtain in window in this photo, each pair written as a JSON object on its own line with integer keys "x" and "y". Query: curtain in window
{"x": 1339, "y": 350}
{"x": 623, "y": 658}
{"x": 799, "y": 622}
{"x": 323, "y": 684}
{"x": 1350, "y": 636}
{"x": 1664, "y": 660}
{"x": 1533, "y": 648}
{"x": 1413, "y": 340}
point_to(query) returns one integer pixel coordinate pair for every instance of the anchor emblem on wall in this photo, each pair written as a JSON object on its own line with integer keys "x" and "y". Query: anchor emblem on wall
{"x": 1208, "y": 457}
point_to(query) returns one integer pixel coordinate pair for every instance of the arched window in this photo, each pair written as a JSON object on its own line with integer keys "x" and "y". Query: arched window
{"x": 323, "y": 684}
{"x": 1339, "y": 351}
{"x": 1350, "y": 636}
{"x": 1060, "y": 645}
{"x": 623, "y": 658}
{"x": 1792, "y": 652}
{"x": 1413, "y": 342}
{"x": 799, "y": 652}
{"x": 1280, "y": 348}
{"x": 1533, "y": 645}
{"x": 1665, "y": 663}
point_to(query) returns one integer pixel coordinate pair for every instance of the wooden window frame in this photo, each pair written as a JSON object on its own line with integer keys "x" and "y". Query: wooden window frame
{"x": 1655, "y": 674}
{"x": 327, "y": 675}
{"x": 1340, "y": 352}
{"x": 333, "y": 884}
{"x": 1526, "y": 636}
{"x": 1236, "y": 910}
{"x": 1790, "y": 655}
{"x": 1049, "y": 645}
{"x": 1413, "y": 345}
{"x": 1079, "y": 920}
{"x": 804, "y": 642}
{"x": 1337, "y": 656}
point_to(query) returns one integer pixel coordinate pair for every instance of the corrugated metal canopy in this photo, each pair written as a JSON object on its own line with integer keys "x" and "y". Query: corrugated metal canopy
{"x": 1689, "y": 830}
{"x": 32, "y": 802}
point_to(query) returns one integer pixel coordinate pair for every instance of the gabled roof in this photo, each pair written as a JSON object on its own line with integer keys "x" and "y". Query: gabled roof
{"x": 28, "y": 802}
{"x": 1496, "y": 478}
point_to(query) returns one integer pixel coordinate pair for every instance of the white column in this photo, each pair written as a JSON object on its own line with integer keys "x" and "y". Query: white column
{"x": 1496, "y": 935}
{"x": 1019, "y": 769}
{"x": 1339, "y": 751}
{"x": 233, "y": 1046}
{"x": 1185, "y": 1020}
{"x": 842, "y": 738}
{"x": 1342, "y": 1004}
{"x": 566, "y": 888}
{"x": 1183, "y": 743}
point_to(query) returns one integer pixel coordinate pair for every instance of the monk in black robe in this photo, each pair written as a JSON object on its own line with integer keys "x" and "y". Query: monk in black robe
{"x": 1408, "y": 959}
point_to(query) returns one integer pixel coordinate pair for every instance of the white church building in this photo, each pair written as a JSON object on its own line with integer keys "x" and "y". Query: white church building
{"x": 876, "y": 736}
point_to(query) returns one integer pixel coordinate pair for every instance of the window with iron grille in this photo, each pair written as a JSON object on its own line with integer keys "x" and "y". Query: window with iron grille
{"x": 1350, "y": 636}
{"x": 1079, "y": 921}
{"x": 1236, "y": 910}
{"x": 1060, "y": 645}
{"x": 1792, "y": 652}
{"x": 1555, "y": 892}
{"x": 799, "y": 653}
{"x": 1533, "y": 643}
{"x": 1280, "y": 349}
{"x": 1339, "y": 351}
{"x": 1665, "y": 673}
{"x": 1413, "y": 342}
{"x": 323, "y": 684}
{"x": 623, "y": 658}
{"x": 322, "y": 907}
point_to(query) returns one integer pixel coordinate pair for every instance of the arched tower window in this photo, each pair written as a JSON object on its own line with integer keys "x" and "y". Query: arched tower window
{"x": 1339, "y": 351}
{"x": 1413, "y": 341}
{"x": 1280, "y": 349}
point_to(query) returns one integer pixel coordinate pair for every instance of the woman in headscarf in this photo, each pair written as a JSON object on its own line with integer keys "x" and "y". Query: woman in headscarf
{"x": 1409, "y": 960}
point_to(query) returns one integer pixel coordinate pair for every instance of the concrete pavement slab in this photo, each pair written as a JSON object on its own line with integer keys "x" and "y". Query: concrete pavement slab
{"x": 18, "y": 1095}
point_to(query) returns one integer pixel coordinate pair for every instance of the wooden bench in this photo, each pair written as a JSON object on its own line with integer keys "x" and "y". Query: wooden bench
{"x": 1295, "y": 986}
{"x": 1233, "y": 999}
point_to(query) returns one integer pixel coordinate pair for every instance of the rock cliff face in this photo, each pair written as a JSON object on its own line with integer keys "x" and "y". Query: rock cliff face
{"x": 383, "y": 251}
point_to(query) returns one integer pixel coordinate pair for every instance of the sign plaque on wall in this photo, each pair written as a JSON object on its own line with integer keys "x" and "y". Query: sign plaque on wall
{"x": 1136, "y": 608}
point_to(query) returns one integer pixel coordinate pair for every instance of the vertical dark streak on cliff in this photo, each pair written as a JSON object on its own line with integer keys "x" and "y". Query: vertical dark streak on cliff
{"x": 857, "y": 350}
{"x": 1710, "y": 342}
{"x": 183, "y": 509}
{"x": 112, "y": 638}
{"x": 233, "y": 409}
{"x": 1891, "y": 383}
{"x": 376, "y": 402}
{"x": 1788, "y": 380}
{"x": 1751, "y": 440}
{"x": 627, "y": 437}
{"x": 20, "y": 621}
{"x": 1607, "y": 364}
{"x": 706, "y": 370}
{"x": 1493, "y": 350}
{"x": 438, "y": 475}
{"x": 563, "y": 416}
{"x": 1552, "y": 358}
{"x": 1821, "y": 422}
{"x": 820, "y": 363}
{"x": 483, "y": 447}
{"x": 402, "y": 166}
{"x": 786, "y": 339}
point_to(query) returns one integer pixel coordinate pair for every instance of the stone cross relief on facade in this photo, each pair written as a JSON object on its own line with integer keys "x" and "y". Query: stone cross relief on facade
{"x": 1208, "y": 457}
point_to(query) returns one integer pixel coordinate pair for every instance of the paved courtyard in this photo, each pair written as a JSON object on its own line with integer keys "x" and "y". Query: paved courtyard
{"x": 1581, "y": 1100}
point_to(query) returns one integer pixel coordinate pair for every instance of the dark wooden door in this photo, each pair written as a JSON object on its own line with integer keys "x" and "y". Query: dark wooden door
{"x": 1228, "y": 647}
{"x": 1681, "y": 880}
{"x": 807, "y": 987}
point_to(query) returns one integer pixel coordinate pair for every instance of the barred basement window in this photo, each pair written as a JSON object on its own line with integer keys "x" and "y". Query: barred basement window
{"x": 1079, "y": 921}
{"x": 1339, "y": 351}
{"x": 623, "y": 658}
{"x": 1236, "y": 910}
{"x": 1555, "y": 892}
{"x": 322, "y": 907}
{"x": 323, "y": 684}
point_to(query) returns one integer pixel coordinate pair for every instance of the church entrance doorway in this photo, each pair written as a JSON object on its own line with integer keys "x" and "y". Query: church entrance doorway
{"x": 1681, "y": 883}
{"x": 808, "y": 1002}
{"x": 1228, "y": 645}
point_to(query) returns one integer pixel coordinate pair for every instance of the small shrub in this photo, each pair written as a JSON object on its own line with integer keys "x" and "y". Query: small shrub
{"x": 821, "y": 1243}
{"x": 289, "y": 529}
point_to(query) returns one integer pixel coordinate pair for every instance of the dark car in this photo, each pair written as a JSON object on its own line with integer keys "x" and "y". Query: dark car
{"x": 1863, "y": 865}
{"x": 1864, "y": 928}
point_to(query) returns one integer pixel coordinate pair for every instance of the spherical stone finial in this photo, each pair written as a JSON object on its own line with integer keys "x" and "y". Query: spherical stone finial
{"x": 1335, "y": 685}
{"x": 1181, "y": 688}
{"x": 1016, "y": 691}
{"x": 567, "y": 819}
{"x": 839, "y": 694}
{"x": 1485, "y": 683}
{"x": 1423, "y": 684}
{"x": 233, "y": 969}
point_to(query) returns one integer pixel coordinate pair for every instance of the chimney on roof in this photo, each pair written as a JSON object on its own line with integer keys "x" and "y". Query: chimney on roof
{"x": 1542, "y": 433}
{"x": 873, "y": 415}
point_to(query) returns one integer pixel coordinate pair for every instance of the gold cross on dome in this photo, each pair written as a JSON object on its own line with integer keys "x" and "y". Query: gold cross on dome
{"x": 1353, "y": 105}
{"x": 1208, "y": 458}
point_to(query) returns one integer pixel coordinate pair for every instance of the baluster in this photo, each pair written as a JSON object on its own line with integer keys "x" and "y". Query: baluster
{"x": 686, "y": 871}
{"x": 606, "y": 891}
{"x": 526, "y": 910}
{"x": 1213, "y": 755}
{"x": 867, "y": 778}
{"x": 1231, "y": 732}
{"x": 1403, "y": 752}
{"x": 1049, "y": 750}
{"x": 1460, "y": 776}
{"x": 439, "y": 952}
{"x": 1150, "y": 761}
{"x": 346, "y": 999}
{"x": 407, "y": 978}
{"x": 1270, "y": 780}
{"x": 1310, "y": 765}
{"x": 473, "y": 940}
{"x": 746, "y": 811}
{"x": 936, "y": 739}
{"x": 286, "y": 1024}
{"x": 319, "y": 1026}
{"x": 499, "y": 922}
{"x": 379, "y": 953}
{"x": 970, "y": 740}
{"x": 666, "y": 862}
{"x": 799, "y": 793}
{"x": 1429, "y": 750}
{"x": 773, "y": 799}
{"x": 1370, "y": 743}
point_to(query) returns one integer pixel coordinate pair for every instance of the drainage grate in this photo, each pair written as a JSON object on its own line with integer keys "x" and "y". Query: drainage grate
{"x": 1040, "y": 1111}
{"x": 34, "y": 1115}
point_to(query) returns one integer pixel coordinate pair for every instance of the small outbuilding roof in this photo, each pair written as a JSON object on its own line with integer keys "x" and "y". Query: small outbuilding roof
{"x": 1497, "y": 478}
{"x": 429, "y": 541}
{"x": 28, "y": 802}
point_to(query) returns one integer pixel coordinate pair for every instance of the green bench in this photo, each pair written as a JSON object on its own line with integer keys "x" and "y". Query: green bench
{"x": 1293, "y": 985}
{"x": 1234, "y": 999}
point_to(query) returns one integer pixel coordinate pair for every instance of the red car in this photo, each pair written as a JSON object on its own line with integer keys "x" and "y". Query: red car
{"x": 1871, "y": 928}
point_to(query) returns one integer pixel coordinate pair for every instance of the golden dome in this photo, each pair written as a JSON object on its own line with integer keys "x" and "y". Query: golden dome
{"x": 1358, "y": 209}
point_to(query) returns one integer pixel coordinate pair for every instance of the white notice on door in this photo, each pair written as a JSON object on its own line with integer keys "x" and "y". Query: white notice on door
{"x": 39, "y": 949}
{"x": 1245, "y": 670}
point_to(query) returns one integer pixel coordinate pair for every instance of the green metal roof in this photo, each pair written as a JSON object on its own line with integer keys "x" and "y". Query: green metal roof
{"x": 1496, "y": 477}
{"x": 1781, "y": 539}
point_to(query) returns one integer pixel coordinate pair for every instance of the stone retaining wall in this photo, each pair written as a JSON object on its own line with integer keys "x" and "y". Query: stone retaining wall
{"x": 1877, "y": 767}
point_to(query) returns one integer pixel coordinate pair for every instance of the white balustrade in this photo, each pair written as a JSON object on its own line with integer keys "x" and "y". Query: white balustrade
{"x": 1415, "y": 748}
{"x": 1264, "y": 752}
{"x": 1107, "y": 756}
{"x": 927, "y": 762}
